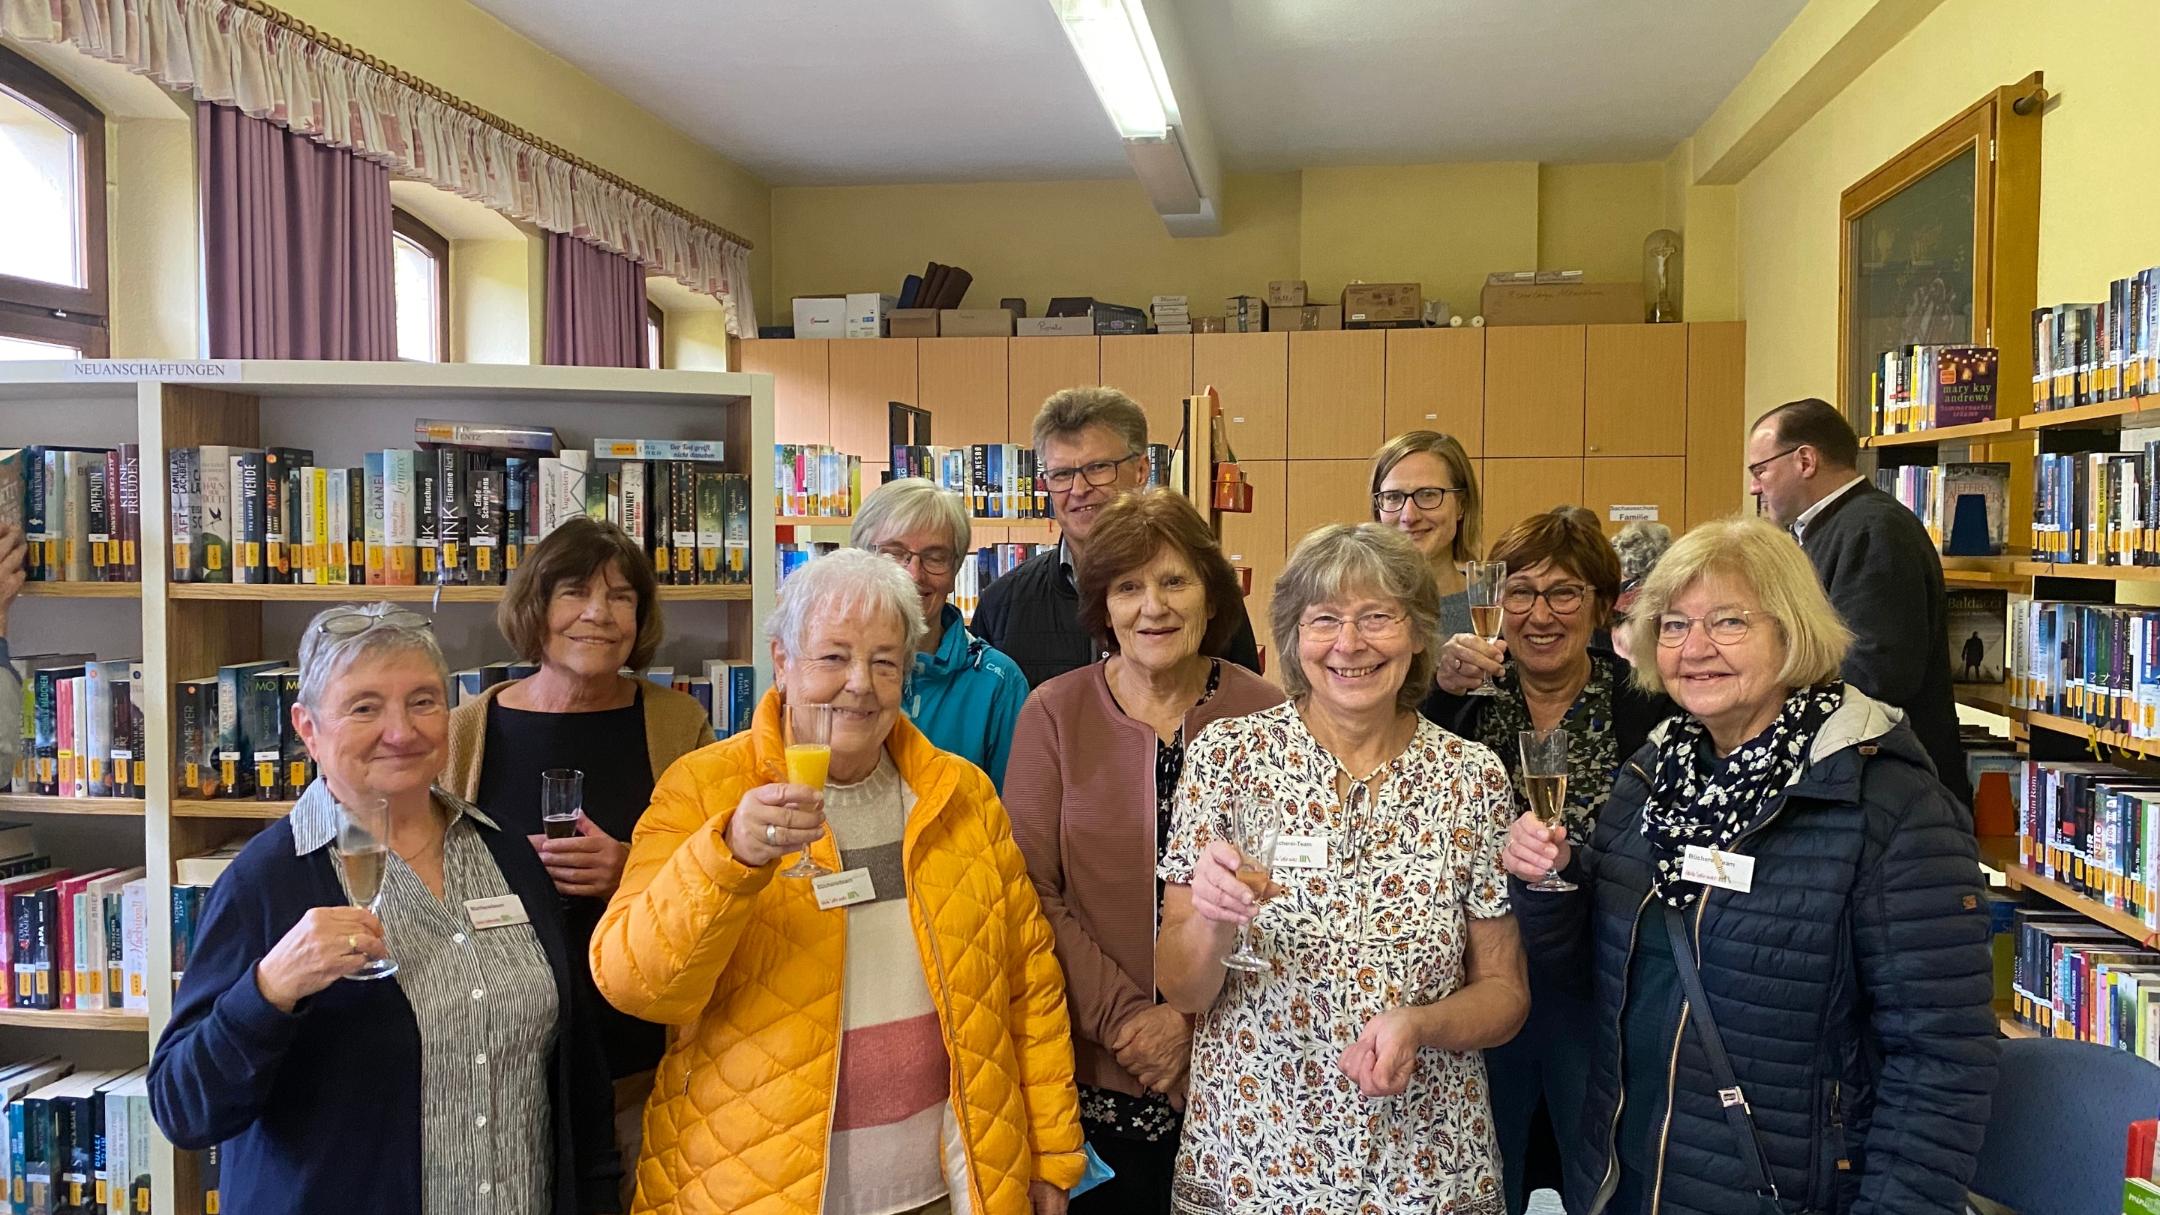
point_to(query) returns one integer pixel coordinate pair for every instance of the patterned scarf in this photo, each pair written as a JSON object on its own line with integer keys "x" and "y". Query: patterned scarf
{"x": 1593, "y": 751}
{"x": 1696, "y": 798}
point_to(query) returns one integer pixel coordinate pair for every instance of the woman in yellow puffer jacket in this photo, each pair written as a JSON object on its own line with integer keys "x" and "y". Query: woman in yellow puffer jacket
{"x": 906, "y": 1047}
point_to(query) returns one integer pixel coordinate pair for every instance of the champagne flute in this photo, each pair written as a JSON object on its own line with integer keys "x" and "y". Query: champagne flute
{"x": 1544, "y": 782}
{"x": 562, "y": 802}
{"x": 809, "y": 758}
{"x": 363, "y": 855}
{"x": 1482, "y": 583}
{"x": 1255, "y": 826}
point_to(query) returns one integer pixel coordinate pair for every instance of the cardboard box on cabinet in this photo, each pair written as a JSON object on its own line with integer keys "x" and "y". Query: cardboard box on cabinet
{"x": 1286, "y": 293}
{"x": 1055, "y": 326}
{"x": 912, "y": 322}
{"x": 1309, "y": 319}
{"x": 1574, "y": 303}
{"x": 821, "y": 316}
{"x": 866, "y": 313}
{"x": 1369, "y": 304}
{"x": 975, "y": 322}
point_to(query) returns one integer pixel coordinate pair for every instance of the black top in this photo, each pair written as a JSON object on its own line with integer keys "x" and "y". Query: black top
{"x": 1032, "y": 615}
{"x": 609, "y": 747}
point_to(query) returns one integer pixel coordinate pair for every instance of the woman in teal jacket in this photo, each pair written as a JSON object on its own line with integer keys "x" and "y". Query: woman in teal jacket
{"x": 963, "y": 694}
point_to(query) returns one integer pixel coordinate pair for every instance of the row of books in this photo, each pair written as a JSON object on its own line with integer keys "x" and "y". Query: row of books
{"x": 2097, "y": 507}
{"x": 75, "y": 940}
{"x": 2074, "y": 979}
{"x": 1002, "y": 480}
{"x": 1927, "y": 387}
{"x": 691, "y": 516}
{"x": 79, "y": 508}
{"x": 78, "y": 1141}
{"x": 1964, "y": 507}
{"x": 234, "y": 736}
{"x": 2087, "y": 353}
{"x": 988, "y": 564}
{"x": 2094, "y": 828}
{"x": 2094, "y": 663}
{"x": 813, "y": 479}
{"x": 81, "y": 727}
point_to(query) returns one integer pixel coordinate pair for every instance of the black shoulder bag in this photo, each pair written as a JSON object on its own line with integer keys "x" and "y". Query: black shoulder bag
{"x": 1737, "y": 1114}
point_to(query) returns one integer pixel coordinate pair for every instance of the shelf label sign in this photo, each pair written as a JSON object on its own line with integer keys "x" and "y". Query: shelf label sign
{"x": 1632, "y": 513}
{"x": 153, "y": 369}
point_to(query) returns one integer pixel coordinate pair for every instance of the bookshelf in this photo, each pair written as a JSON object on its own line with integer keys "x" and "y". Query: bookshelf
{"x": 2089, "y": 573}
{"x": 1999, "y": 429}
{"x": 186, "y": 630}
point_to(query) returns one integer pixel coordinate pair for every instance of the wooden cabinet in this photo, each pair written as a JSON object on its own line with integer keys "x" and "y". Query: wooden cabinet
{"x": 1338, "y": 388}
{"x": 1436, "y": 381}
{"x": 963, "y": 383}
{"x": 1534, "y": 390}
{"x": 801, "y": 402}
{"x": 1716, "y": 420}
{"x": 1657, "y": 482}
{"x": 1635, "y": 390}
{"x": 864, "y": 375}
{"x": 1251, "y": 373}
{"x": 1258, "y": 540}
{"x": 1155, "y": 370}
{"x": 1323, "y": 492}
{"x": 1517, "y": 488}
{"x": 1038, "y": 367}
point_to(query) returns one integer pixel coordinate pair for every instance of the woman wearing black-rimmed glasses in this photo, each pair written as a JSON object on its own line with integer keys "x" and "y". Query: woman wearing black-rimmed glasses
{"x": 1423, "y": 485}
{"x": 1563, "y": 578}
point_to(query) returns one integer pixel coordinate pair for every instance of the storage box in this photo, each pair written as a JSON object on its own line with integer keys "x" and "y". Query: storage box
{"x": 1367, "y": 304}
{"x": 821, "y": 316}
{"x": 912, "y": 322}
{"x": 1308, "y": 319}
{"x": 866, "y": 312}
{"x": 1118, "y": 318}
{"x": 1562, "y": 304}
{"x": 1055, "y": 326}
{"x": 1210, "y": 324}
{"x": 1286, "y": 293}
{"x": 1245, "y": 313}
{"x": 975, "y": 322}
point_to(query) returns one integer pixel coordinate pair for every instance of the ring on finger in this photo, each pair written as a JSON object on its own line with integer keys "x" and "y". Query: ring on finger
{"x": 772, "y": 835}
{"x": 352, "y": 943}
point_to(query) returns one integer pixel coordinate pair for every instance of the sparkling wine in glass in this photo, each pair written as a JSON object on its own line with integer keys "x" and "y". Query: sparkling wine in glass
{"x": 1482, "y": 581}
{"x": 363, "y": 855}
{"x": 809, "y": 759}
{"x": 562, "y": 802}
{"x": 1544, "y": 782}
{"x": 1255, "y": 826}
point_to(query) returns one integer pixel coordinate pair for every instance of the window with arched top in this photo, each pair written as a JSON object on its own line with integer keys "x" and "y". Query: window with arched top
{"x": 421, "y": 280}
{"x": 52, "y": 210}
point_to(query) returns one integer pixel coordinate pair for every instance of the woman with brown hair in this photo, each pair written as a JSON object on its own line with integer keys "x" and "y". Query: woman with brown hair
{"x": 1423, "y": 486}
{"x": 1095, "y": 762}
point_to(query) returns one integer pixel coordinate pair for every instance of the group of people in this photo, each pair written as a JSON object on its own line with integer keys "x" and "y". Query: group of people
{"x": 1766, "y": 985}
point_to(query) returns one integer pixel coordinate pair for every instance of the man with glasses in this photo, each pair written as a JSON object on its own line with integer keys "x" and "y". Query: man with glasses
{"x": 1875, "y": 561}
{"x": 1090, "y": 447}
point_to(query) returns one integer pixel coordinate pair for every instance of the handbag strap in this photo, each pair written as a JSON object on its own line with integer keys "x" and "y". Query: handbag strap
{"x": 1737, "y": 1114}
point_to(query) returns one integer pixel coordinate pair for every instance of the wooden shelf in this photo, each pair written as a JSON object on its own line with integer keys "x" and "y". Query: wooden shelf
{"x": 23, "y": 803}
{"x": 1998, "y": 428}
{"x": 2010, "y": 1027}
{"x": 1985, "y": 573}
{"x": 1994, "y": 699}
{"x": 2123, "y": 922}
{"x": 836, "y": 521}
{"x": 2091, "y": 573}
{"x": 83, "y": 590}
{"x": 2108, "y": 414}
{"x": 228, "y": 807}
{"x": 2084, "y": 730}
{"x": 117, "y": 1019}
{"x": 349, "y": 593}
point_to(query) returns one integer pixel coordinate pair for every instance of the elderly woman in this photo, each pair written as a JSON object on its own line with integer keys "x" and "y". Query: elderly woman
{"x": 1562, "y": 577}
{"x": 466, "y": 1083}
{"x": 583, "y": 607}
{"x": 1099, "y": 752}
{"x": 1779, "y": 902}
{"x": 1347, "y": 1077}
{"x": 889, "y": 1038}
{"x": 1423, "y": 486}
{"x": 1638, "y": 545}
{"x": 963, "y": 694}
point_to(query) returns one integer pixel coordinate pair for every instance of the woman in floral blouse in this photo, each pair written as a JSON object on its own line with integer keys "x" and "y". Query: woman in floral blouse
{"x": 1347, "y": 1076}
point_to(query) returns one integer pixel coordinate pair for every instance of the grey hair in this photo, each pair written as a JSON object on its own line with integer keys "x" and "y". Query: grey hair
{"x": 1343, "y": 558}
{"x": 907, "y": 504}
{"x": 1071, "y": 410}
{"x": 1639, "y": 545}
{"x": 844, "y": 582}
{"x": 324, "y": 655}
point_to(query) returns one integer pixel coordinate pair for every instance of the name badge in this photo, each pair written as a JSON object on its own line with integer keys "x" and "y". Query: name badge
{"x": 1301, "y": 852}
{"x": 502, "y": 911}
{"x": 1724, "y": 870}
{"x": 843, "y": 889}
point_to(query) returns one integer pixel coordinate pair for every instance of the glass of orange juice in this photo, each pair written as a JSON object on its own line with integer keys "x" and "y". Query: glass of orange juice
{"x": 809, "y": 755}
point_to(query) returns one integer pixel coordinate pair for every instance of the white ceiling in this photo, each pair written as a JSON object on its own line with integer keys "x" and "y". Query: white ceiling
{"x": 811, "y": 92}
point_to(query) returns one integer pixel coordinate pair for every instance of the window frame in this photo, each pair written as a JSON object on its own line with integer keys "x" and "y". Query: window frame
{"x": 404, "y": 223}
{"x": 52, "y": 312}
{"x": 656, "y": 322}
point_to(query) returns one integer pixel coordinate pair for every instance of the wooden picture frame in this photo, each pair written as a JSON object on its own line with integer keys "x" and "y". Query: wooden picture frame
{"x": 1941, "y": 245}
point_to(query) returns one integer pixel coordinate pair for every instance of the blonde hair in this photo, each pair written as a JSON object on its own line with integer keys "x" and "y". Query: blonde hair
{"x": 906, "y": 504}
{"x": 1763, "y": 558}
{"x": 1470, "y": 521}
{"x": 1370, "y": 557}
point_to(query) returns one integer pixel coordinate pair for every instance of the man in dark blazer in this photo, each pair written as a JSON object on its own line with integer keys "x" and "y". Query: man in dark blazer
{"x": 1881, "y": 571}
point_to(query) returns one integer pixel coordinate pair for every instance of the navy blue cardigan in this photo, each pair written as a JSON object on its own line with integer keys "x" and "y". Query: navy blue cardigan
{"x": 320, "y": 1108}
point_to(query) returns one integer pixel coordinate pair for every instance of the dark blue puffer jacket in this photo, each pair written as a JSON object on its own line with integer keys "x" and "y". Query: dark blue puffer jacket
{"x": 1851, "y": 986}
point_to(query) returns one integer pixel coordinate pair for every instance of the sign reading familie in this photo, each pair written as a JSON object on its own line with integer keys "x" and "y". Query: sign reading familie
{"x": 154, "y": 369}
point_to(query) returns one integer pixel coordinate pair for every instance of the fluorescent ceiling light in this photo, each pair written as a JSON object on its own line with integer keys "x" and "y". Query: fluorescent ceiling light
{"x": 1117, "y": 49}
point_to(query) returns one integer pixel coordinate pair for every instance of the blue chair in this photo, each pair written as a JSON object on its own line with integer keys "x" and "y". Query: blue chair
{"x": 2061, "y": 1121}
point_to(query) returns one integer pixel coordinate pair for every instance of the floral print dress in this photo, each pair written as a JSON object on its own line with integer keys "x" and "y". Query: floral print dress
{"x": 1412, "y": 856}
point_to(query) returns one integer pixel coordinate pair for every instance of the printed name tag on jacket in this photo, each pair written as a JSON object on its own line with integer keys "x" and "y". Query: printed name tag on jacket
{"x": 843, "y": 889}
{"x": 1724, "y": 870}
{"x": 499, "y": 912}
{"x": 1301, "y": 852}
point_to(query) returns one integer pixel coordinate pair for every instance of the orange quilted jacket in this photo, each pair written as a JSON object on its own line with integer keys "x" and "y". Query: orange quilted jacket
{"x": 746, "y": 969}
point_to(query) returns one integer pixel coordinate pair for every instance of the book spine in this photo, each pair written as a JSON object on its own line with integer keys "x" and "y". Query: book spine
{"x": 250, "y": 519}
{"x": 277, "y": 551}
{"x": 518, "y": 487}
{"x": 356, "y": 514}
{"x": 47, "y": 710}
{"x": 373, "y": 535}
{"x": 451, "y": 507}
{"x": 682, "y": 521}
{"x": 484, "y": 481}
{"x": 711, "y": 532}
{"x": 101, "y": 476}
{"x": 635, "y": 515}
{"x": 36, "y": 533}
{"x": 264, "y": 732}
{"x": 735, "y": 524}
{"x": 400, "y": 568}
{"x": 337, "y": 528}
{"x": 97, "y": 741}
{"x": 427, "y": 515}
{"x": 135, "y": 943}
{"x": 299, "y": 766}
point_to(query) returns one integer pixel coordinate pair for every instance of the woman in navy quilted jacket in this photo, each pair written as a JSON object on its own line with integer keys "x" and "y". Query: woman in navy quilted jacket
{"x": 1783, "y": 857}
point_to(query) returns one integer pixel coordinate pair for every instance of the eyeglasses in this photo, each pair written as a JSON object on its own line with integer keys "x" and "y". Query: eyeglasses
{"x": 1390, "y": 501}
{"x": 1725, "y": 626}
{"x": 1098, "y": 474}
{"x": 351, "y": 622}
{"x": 1564, "y": 600}
{"x": 1755, "y": 469}
{"x": 1372, "y": 626}
{"x": 934, "y": 560}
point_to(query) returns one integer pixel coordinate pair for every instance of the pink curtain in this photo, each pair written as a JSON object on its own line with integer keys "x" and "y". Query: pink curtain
{"x": 296, "y": 243}
{"x": 595, "y": 306}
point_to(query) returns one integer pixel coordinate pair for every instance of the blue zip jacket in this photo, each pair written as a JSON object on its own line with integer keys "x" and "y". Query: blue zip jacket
{"x": 966, "y": 698}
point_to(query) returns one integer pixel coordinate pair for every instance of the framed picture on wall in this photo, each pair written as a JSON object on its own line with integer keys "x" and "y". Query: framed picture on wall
{"x": 1940, "y": 246}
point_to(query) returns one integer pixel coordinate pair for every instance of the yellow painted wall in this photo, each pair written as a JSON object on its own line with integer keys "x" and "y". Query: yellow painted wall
{"x": 1593, "y": 218}
{"x": 154, "y": 268}
{"x": 1444, "y": 226}
{"x": 495, "y": 315}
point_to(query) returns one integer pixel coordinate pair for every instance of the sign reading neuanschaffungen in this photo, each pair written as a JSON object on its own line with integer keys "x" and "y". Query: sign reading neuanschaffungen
{"x": 148, "y": 369}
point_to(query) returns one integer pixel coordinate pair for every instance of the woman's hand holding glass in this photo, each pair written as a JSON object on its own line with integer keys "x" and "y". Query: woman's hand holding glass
{"x": 1218, "y": 895}
{"x": 1535, "y": 849}
{"x": 328, "y": 944}
{"x": 774, "y": 820}
{"x": 1468, "y": 661}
